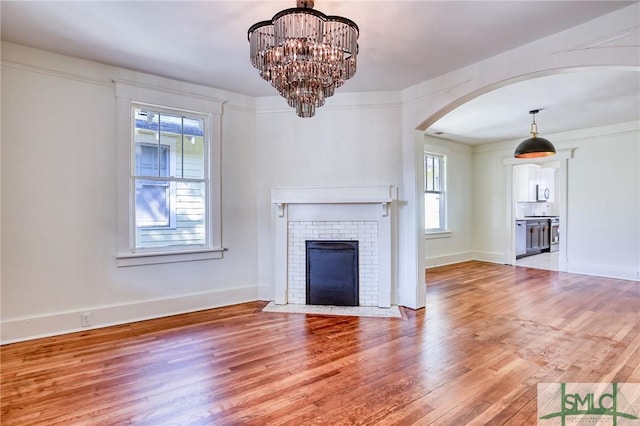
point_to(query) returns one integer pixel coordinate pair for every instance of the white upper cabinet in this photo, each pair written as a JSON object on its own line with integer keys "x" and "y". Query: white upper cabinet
{"x": 528, "y": 179}
{"x": 524, "y": 178}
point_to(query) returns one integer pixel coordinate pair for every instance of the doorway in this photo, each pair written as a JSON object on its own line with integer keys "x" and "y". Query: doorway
{"x": 539, "y": 211}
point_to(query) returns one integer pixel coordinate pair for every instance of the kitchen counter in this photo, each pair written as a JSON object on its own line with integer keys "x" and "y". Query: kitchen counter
{"x": 536, "y": 217}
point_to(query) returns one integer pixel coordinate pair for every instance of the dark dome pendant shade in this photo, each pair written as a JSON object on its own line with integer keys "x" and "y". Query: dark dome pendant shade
{"x": 534, "y": 147}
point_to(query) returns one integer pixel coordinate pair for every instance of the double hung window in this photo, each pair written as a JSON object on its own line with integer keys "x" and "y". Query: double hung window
{"x": 434, "y": 192}
{"x": 170, "y": 178}
{"x": 168, "y": 181}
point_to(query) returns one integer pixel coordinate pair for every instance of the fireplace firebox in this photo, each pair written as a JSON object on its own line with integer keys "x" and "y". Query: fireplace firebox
{"x": 332, "y": 273}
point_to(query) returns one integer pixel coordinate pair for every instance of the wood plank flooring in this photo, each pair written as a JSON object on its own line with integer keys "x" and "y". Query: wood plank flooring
{"x": 488, "y": 335}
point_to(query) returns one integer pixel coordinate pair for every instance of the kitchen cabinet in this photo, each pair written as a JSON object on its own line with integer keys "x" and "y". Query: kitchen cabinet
{"x": 537, "y": 236}
{"x": 545, "y": 240}
{"x": 528, "y": 178}
{"x": 524, "y": 181}
{"x": 533, "y": 237}
{"x": 521, "y": 238}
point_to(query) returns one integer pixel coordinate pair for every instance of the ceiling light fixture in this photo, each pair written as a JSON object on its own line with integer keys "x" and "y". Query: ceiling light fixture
{"x": 535, "y": 146}
{"x": 305, "y": 54}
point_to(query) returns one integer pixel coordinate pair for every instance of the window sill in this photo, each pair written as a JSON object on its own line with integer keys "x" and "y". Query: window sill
{"x": 437, "y": 235}
{"x": 154, "y": 258}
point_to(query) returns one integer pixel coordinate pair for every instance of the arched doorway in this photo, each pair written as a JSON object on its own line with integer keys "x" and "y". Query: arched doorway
{"x": 506, "y": 252}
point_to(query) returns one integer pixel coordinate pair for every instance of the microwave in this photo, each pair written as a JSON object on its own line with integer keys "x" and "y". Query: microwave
{"x": 542, "y": 193}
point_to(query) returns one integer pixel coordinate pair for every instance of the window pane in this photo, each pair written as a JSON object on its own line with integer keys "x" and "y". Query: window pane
{"x": 192, "y": 147}
{"x": 429, "y": 173}
{"x": 188, "y": 207}
{"x": 436, "y": 173}
{"x": 152, "y": 203}
{"x": 147, "y": 154}
{"x": 152, "y": 160}
{"x": 432, "y": 211}
{"x": 171, "y": 135}
{"x": 183, "y": 136}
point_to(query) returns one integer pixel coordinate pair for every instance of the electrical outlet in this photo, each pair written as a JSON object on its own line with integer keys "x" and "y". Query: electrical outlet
{"x": 85, "y": 319}
{"x": 638, "y": 274}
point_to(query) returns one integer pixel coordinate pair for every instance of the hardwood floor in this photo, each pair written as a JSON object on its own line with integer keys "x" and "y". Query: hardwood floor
{"x": 489, "y": 334}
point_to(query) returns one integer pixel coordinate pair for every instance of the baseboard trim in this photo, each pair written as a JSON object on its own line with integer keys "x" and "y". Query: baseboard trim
{"x": 265, "y": 292}
{"x": 447, "y": 259}
{"x": 601, "y": 270}
{"x": 450, "y": 259}
{"x": 491, "y": 257}
{"x": 35, "y": 327}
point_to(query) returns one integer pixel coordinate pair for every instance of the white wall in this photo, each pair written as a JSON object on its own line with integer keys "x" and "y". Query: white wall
{"x": 59, "y": 203}
{"x": 603, "y": 203}
{"x": 354, "y": 140}
{"x": 456, "y": 246}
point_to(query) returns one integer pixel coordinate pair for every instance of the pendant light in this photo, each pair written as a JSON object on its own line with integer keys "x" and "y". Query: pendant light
{"x": 535, "y": 146}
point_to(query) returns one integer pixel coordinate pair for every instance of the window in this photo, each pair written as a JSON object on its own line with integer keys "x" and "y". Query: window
{"x": 434, "y": 192}
{"x": 168, "y": 177}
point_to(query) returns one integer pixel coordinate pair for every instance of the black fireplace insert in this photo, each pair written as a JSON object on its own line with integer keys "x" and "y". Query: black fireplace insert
{"x": 332, "y": 273}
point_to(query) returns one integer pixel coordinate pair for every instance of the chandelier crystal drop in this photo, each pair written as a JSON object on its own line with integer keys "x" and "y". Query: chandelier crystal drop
{"x": 305, "y": 54}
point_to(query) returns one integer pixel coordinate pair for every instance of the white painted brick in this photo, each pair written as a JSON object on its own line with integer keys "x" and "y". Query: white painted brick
{"x": 365, "y": 232}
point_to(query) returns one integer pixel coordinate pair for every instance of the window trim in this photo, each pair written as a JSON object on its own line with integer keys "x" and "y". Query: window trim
{"x": 442, "y": 231}
{"x": 437, "y": 235}
{"x": 128, "y": 94}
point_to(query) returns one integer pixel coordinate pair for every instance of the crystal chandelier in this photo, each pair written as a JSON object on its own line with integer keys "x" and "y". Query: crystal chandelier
{"x": 305, "y": 54}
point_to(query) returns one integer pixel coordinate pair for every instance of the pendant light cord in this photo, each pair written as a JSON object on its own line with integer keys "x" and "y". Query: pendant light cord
{"x": 534, "y": 126}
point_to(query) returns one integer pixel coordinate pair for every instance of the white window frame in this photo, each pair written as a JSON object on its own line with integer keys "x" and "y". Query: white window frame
{"x": 442, "y": 230}
{"x": 127, "y": 95}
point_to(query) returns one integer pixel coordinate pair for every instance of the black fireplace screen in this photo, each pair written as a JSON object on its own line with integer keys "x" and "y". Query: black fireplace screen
{"x": 332, "y": 273}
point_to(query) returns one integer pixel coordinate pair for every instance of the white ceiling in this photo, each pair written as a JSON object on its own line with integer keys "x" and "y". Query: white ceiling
{"x": 568, "y": 101}
{"x": 401, "y": 44}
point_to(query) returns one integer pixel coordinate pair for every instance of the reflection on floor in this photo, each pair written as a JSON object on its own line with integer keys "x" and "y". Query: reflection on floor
{"x": 540, "y": 261}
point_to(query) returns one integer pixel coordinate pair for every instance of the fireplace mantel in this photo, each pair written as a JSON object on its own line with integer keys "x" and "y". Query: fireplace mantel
{"x": 383, "y": 195}
{"x": 335, "y": 204}
{"x": 334, "y": 195}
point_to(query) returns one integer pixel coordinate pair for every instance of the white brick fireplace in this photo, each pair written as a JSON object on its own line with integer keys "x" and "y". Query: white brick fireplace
{"x": 363, "y": 214}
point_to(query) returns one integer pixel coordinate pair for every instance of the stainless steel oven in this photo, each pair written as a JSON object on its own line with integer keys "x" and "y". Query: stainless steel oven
{"x": 554, "y": 234}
